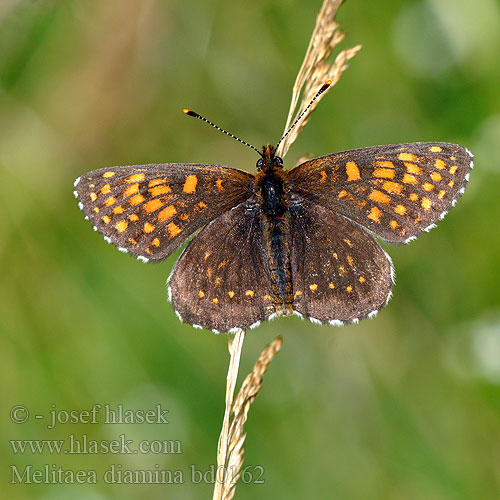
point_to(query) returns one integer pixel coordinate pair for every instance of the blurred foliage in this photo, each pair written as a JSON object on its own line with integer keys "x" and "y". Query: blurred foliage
{"x": 403, "y": 406}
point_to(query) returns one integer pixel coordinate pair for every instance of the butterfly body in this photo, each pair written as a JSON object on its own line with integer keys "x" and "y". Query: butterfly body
{"x": 280, "y": 241}
{"x": 272, "y": 193}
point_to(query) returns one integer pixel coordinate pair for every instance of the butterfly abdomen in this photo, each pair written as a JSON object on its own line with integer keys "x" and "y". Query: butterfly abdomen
{"x": 272, "y": 192}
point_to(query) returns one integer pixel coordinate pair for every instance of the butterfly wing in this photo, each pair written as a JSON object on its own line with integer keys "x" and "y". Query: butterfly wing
{"x": 395, "y": 191}
{"x": 149, "y": 210}
{"x": 221, "y": 281}
{"x": 339, "y": 272}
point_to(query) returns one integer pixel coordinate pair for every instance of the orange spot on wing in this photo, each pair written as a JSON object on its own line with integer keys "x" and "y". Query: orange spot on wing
{"x": 118, "y": 210}
{"x": 427, "y": 186}
{"x": 136, "y": 199}
{"x": 392, "y": 187}
{"x": 159, "y": 190}
{"x": 96, "y": 210}
{"x": 436, "y": 176}
{"x": 231, "y": 294}
{"x": 411, "y": 168}
{"x": 350, "y": 261}
{"x": 440, "y": 164}
{"x": 342, "y": 193}
{"x": 385, "y": 173}
{"x": 215, "y": 301}
{"x": 375, "y": 214}
{"x": 106, "y": 189}
{"x": 435, "y": 149}
{"x": 201, "y": 294}
{"x": 409, "y": 179}
{"x": 132, "y": 189}
{"x": 453, "y": 169}
{"x": 133, "y": 217}
{"x": 190, "y": 184}
{"x": 361, "y": 279}
{"x": 413, "y": 196}
{"x": 394, "y": 224}
{"x": 167, "y": 213}
{"x": 400, "y": 209}
{"x": 106, "y": 219}
{"x": 441, "y": 194}
{"x": 323, "y": 176}
{"x": 108, "y": 174}
{"x": 148, "y": 228}
{"x": 152, "y": 205}
{"x": 407, "y": 157}
{"x": 451, "y": 184}
{"x": 352, "y": 171}
{"x": 136, "y": 178}
{"x": 313, "y": 287}
{"x": 379, "y": 197}
{"x": 249, "y": 293}
{"x": 173, "y": 230}
{"x": 219, "y": 185}
{"x": 110, "y": 201}
{"x": 121, "y": 226}
{"x": 426, "y": 203}
{"x": 155, "y": 242}
{"x": 93, "y": 196}
{"x": 349, "y": 288}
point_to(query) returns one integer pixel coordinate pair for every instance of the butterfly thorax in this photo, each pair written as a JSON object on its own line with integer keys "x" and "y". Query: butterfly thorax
{"x": 271, "y": 183}
{"x": 271, "y": 190}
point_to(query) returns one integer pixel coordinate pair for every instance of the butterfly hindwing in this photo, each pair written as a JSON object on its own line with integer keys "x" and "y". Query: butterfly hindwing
{"x": 339, "y": 272}
{"x": 396, "y": 191}
{"x": 221, "y": 281}
{"x": 149, "y": 210}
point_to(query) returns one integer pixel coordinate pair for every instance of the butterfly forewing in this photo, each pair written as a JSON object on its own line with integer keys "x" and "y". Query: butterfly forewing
{"x": 149, "y": 210}
{"x": 221, "y": 280}
{"x": 396, "y": 191}
{"x": 339, "y": 272}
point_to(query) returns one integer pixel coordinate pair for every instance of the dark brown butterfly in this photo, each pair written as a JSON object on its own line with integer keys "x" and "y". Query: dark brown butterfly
{"x": 279, "y": 242}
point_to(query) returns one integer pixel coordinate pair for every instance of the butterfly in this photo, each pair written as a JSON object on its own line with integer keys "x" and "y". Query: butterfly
{"x": 277, "y": 242}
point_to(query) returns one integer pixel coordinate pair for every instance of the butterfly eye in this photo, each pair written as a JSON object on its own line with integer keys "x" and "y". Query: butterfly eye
{"x": 279, "y": 161}
{"x": 260, "y": 164}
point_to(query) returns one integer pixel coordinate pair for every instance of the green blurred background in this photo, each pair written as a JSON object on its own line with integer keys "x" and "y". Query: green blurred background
{"x": 405, "y": 406}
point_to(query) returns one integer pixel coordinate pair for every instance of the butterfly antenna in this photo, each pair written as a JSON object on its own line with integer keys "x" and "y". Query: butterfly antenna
{"x": 192, "y": 113}
{"x": 320, "y": 91}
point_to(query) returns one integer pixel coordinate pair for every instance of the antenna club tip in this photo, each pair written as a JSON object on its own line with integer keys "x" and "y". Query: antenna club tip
{"x": 189, "y": 112}
{"x": 325, "y": 85}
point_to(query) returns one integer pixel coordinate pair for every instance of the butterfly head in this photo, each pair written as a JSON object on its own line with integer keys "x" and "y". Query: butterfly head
{"x": 269, "y": 159}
